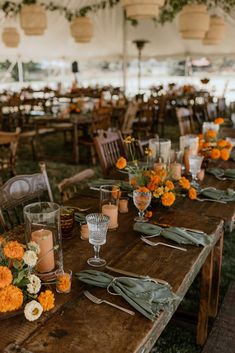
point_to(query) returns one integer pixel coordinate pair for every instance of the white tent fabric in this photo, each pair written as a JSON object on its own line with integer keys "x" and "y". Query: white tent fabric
{"x": 107, "y": 44}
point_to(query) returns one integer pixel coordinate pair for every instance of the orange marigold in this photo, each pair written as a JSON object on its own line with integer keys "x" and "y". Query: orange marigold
{"x": 229, "y": 145}
{"x": 222, "y": 143}
{"x": 47, "y": 300}
{"x": 211, "y": 134}
{"x": 219, "y": 121}
{"x": 143, "y": 189}
{"x": 148, "y": 214}
{"x": 184, "y": 183}
{"x": 192, "y": 193}
{"x": 224, "y": 154}
{"x": 5, "y": 276}
{"x": 121, "y": 163}
{"x": 168, "y": 198}
{"x": 215, "y": 153}
{"x": 63, "y": 282}
{"x": 13, "y": 250}
{"x": 11, "y": 298}
{"x": 170, "y": 185}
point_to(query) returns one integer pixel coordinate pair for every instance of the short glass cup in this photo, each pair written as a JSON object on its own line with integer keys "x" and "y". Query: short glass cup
{"x": 66, "y": 221}
{"x": 195, "y": 163}
{"x": 63, "y": 281}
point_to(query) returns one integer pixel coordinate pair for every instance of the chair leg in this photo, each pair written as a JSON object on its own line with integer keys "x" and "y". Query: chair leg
{"x": 93, "y": 155}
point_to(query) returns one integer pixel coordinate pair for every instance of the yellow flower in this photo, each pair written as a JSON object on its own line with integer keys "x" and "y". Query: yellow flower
{"x": 224, "y": 154}
{"x": 219, "y": 121}
{"x": 170, "y": 185}
{"x": 215, "y": 153}
{"x": 129, "y": 140}
{"x": 168, "y": 199}
{"x": 11, "y": 298}
{"x": 192, "y": 193}
{"x": 222, "y": 143}
{"x": 13, "y": 250}
{"x": 121, "y": 163}
{"x": 184, "y": 183}
{"x": 47, "y": 300}
{"x": 5, "y": 276}
{"x": 148, "y": 152}
{"x": 160, "y": 190}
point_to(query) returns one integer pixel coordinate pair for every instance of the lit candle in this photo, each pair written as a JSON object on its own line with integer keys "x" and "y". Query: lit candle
{"x": 123, "y": 205}
{"x": 111, "y": 211}
{"x": 84, "y": 232}
{"x": 201, "y": 174}
{"x": 175, "y": 170}
{"x": 46, "y": 260}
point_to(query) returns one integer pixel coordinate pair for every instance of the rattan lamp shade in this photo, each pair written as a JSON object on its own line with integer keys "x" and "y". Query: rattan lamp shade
{"x": 10, "y": 37}
{"x": 142, "y": 9}
{"x": 216, "y": 31}
{"x": 82, "y": 29}
{"x": 33, "y": 20}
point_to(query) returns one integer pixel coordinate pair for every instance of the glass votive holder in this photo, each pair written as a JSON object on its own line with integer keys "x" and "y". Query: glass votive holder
{"x": 66, "y": 221}
{"x": 123, "y": 205}
{"x": 63, "y": 281}
{"x": 109, "y": 200}
{"x": 84, "y": 231}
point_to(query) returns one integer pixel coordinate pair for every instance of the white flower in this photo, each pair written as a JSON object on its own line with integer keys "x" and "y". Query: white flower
{"x": 35, "y": 284}
{"x": 30, "y": 258}
{"x": 33, "y": 310}
{"x": 32, "y": 245}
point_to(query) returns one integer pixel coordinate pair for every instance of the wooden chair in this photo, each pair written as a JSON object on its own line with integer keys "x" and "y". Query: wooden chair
{"x": 18, "y": 192}
{"x": 185, "y": 120}
{"x": 8, "y": 150}
{"x": 129, "y": 118}
{"x": 69, "y": 186}
{"x": 109, "y": 147}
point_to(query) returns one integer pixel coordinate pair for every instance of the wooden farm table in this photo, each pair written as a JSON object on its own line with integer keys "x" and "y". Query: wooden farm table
{"x": 77, "y": 325}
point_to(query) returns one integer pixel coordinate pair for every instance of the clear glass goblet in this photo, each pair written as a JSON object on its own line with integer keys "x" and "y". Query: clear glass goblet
{"x": 195, "y": 163}
{"x": 97, "y": 226}
{"x": 141, "y": 200}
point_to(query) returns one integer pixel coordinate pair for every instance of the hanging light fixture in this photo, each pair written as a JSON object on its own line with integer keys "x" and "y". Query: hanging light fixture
{"x": 33, "y": 19}
{"x": 10, "y": 37}
{"x": 82, "y": 29}
{"x": 142, "y": 9}
{"x": 194, "y": 21}
{"x": 216, "y": 31}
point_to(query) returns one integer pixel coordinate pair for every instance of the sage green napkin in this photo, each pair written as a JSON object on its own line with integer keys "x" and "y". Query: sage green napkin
{"x": 177, "y": 234}
{"x": 216, "y": 194}
{"x": 222, "y": 173}
{"x": 145, "y": 295}
{"x": 79, "y": 217}
{"x": 124, "y": 185}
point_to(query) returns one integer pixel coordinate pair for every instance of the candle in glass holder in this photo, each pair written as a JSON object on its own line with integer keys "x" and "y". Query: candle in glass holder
{"x": 175, "y": 170}
{"x": 46, "y": 260}
{"x": 111, "y": 211}
{"x": 159, "y": 166}
{"x": 201, "y": 175}
{"x": 84, "y": 232}
{"x": 123, "y": 205}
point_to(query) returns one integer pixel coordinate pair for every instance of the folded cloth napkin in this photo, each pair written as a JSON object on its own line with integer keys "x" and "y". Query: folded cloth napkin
{"x": 216, "y": 194}
{"x": 124, "y": 185}
{"x": 222, "y": 173}
{"x": 145, "y": 295}
{"x": 177, "y": 234}
{"x": 79, "y": 217}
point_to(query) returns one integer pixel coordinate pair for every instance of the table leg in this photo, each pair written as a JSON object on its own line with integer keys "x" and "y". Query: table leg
{"x": 217, "y": 263}
{"x": 75, "y": 143}
{"x": 205, "y": 298}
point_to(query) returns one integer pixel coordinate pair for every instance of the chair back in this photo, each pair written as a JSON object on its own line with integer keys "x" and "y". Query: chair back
{"x": 101, "y": 119}
{"x": 8, "y": 147}
{"x": 129, "y": 118}
{"x": 18, "y": 192}
{"x": 109, "y": 147}
{"x": 184, "y": 117}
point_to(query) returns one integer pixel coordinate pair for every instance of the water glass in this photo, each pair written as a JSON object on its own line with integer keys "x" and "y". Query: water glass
{"x": 141, "y": 200}
{"x": 195, "y": 163}
{"x": 98, "y": 226}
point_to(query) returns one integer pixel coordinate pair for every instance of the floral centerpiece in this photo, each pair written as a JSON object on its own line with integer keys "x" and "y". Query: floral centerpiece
{"x": 20, "y": 288}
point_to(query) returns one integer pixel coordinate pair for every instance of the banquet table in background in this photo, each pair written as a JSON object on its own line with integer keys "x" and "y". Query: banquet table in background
{"x": 78, "y": 325}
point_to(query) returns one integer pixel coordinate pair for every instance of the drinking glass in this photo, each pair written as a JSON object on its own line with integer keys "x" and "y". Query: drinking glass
{"x": 141, "y": 201}
{"x": 98, "y": 226}
{"x": 195, "y": 163}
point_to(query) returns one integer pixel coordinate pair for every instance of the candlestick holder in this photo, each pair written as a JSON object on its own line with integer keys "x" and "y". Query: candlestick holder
{"x": 42, "y": 225}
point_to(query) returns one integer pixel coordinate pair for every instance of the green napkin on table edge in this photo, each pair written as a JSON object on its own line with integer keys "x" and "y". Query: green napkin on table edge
{"x": 216, "y": 194}
{"x": 219, "y": 172}
{"x": 79, "y": 217}
{"x": 124, "y": 185}
{"x": 176, "y": 234}
{"x": 145, "y": 295}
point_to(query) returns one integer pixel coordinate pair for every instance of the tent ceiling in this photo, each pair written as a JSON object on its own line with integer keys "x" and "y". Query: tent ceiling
{"x": 107, "y": 44}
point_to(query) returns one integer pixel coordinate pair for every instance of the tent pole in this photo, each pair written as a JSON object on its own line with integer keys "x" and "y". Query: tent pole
{"x": 20, "y": 71}
{"x": 124, "y": 55}
{"x": 9, "y": 70}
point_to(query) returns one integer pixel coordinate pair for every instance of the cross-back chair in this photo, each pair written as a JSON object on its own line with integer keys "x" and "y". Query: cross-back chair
{"x": 20, "y": 191}
{"x": 8, "y": 150}
{"x": 69, "y": 186}
{"x": 185, "y": 120}
{"x": 129, "y": 118}
{"x": 109, "y": 147}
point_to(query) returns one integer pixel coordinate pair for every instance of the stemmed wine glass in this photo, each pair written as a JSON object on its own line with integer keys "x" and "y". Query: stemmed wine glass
{"x": 141, "y": 200}
{"x": 195, "y": 163}
{"x": 98, "y": 226}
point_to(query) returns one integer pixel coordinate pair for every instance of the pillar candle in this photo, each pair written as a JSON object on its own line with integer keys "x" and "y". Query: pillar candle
{"x": 175, "y": 170}
{"x": 123, "y": 205}
{"x": 111, "y": 211}
{"x": 46, "y": 260}
{"x": 201, "y": 175}
{"x": 84, "y": 232}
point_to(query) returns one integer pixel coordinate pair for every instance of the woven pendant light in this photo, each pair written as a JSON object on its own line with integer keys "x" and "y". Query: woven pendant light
{"x": 142, "y": 9}
{"x": 10, "y": 37}
{"x": 216, "y": 31}
{"x": 194, "y": 22}
{"x": 82, "y": 29}
{"x": 33, "y": 19}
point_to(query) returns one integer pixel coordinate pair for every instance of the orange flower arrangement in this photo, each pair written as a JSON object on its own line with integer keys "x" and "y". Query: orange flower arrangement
{"x": 215, "y": 153}
{"x": 13, "y": 250}
{"x": 224, "y": 154}
{"x": 168, "y": 198}
{"x": 219, "y": 121}
{"x": 5, "y": 276}
{"x": 143, "y": 189}
{"x": 184, "y": 183}
{"x": 222, "y": 143}
{"x": 11, "y": 298}
{"x": 121, "y": 163}
{"x": 47, "y": 300}
{"x": 192, "y": 193}
{"x": 169, "y": 184}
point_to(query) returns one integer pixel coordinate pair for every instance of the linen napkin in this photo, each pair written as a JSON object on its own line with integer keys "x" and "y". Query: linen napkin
{"x": 144, "y": 294}
{"x": 124, "y": 185}
{"x": 217, "y": 194}
{"x": 177, "y": 234}
{"x": 79, "y": 217}
{"x": 222, "y": 173}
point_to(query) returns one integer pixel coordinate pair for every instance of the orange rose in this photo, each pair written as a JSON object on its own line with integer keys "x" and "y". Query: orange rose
{"x": 121, "y": 163}
{"x": 215, "y": 153}
{"x": 222, "y": 143}
{"x": 224, "y": 154}
{"x": 5, "y": 276}
{"x": 13, "y": 250}
{"x": 168, "y": 198}
{"x": 148, "y": 214}
{"x": 219, "y": 121}
{"x": 47, "y": 300}
{"x": 192, "y": 193}
{"x": 211, "y": 134}
{"x": 11, "y": 298}
{"x": 170, "y": 185}
{"x": 184, "y": 183}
